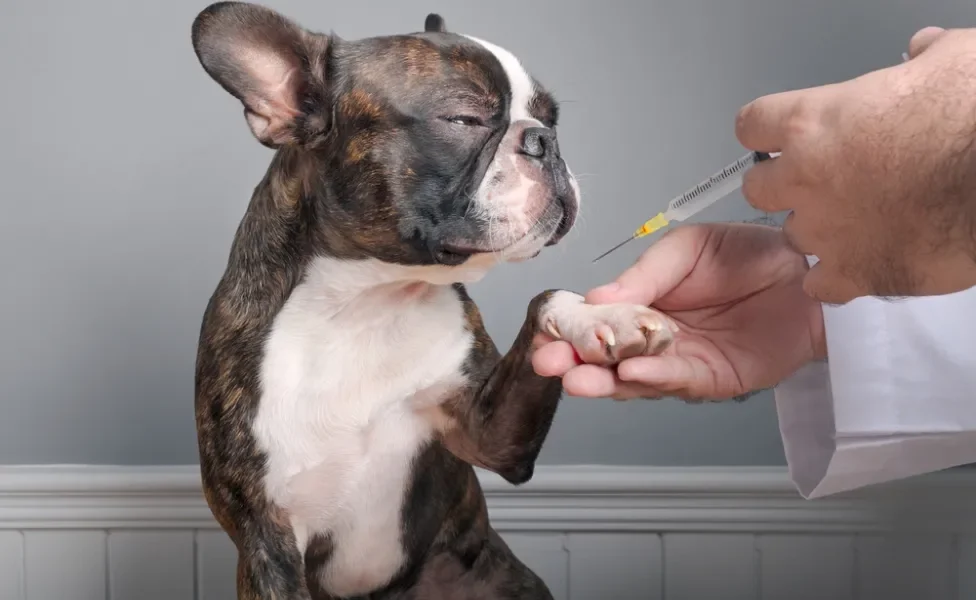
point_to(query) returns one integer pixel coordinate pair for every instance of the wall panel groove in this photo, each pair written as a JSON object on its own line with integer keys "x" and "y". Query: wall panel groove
{"x": 87, "y": 533}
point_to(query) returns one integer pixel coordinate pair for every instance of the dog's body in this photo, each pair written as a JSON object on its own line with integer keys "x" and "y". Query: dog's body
{"x": 345, "y": 382}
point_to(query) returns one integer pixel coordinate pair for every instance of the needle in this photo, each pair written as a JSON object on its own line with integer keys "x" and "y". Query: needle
{"x": 697, "y": 198}
{"x": 656, "y": 222}
{"x": 630, "y": 239}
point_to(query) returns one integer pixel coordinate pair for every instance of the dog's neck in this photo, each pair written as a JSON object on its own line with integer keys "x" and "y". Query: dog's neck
{"x": 342, "y": 281}
{"x": 338, "y": 285}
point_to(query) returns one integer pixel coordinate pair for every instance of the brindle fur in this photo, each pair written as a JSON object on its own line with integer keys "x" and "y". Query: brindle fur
{"x": 499, "y": 422}
{"x": 503, "y": 420}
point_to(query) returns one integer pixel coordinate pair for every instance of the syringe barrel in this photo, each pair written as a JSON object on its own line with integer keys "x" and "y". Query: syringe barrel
{"x": 717, "y": 186}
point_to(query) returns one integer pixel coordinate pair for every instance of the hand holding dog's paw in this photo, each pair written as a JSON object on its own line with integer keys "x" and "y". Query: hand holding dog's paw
{"x": 605, "y": 334}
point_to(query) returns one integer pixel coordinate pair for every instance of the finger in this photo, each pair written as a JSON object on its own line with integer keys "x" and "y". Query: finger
{"x": 591, "y": 381}
{"x": 540, "y": 339}
{"x": 671, "y": 374}
{"x": 795, "y": 237}
{"x": 658, "y": 270}
{"x": 922, "y": 39}
{"x": 630, "y": 391}
{"x": 763, "y": 124}
{"x": 769, "y": 186}
{"x": 554, "y": 359}
{"x": 826, "y": 285}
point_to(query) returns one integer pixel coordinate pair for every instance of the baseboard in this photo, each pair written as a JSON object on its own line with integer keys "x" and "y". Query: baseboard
{"x": 563, "y": 498}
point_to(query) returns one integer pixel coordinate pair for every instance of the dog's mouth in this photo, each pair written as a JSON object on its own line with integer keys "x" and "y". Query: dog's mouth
{"x": 547, "y": 231}
{"x": 454, "y": 254}
{"x": 457, "y": 253}
{"x": 563, "y": 227}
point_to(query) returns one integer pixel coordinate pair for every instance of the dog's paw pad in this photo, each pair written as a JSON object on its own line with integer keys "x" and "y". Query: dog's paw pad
{"x": 605, "y": 334}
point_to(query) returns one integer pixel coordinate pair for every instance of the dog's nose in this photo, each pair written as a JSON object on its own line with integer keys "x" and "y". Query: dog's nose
{"x": 538, "y": 142}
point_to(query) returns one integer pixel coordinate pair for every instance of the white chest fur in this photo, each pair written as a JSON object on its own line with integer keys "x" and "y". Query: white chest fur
{"x": 352, "y": 358}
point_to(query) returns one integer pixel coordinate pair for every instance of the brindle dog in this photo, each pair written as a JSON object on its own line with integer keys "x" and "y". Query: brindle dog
{"x": 345, "y": 383}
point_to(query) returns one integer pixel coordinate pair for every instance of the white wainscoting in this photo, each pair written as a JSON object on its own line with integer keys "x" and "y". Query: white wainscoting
{"x": 593, "y": 533}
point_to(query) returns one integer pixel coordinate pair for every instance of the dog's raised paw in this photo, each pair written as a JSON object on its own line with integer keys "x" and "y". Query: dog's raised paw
{"x": 605, "y": 334}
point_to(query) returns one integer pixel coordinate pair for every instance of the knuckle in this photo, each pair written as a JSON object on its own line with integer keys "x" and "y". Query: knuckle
{"x": 923, "y": 38}
{"x": 803, "y": 117}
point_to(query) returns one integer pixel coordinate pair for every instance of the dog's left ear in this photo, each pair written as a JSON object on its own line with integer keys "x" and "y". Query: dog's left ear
{"x": 273, "y": 66}
{"x": 435, "y": 23}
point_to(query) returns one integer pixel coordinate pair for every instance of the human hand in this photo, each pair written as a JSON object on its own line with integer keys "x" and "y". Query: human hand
{"x": 879, "y": 173}
{"x": 744, "y": 322}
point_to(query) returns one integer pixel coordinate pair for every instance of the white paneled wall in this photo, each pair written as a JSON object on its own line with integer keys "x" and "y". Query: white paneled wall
{"x": 185, "y": 564}
{"x": 638, "y": 534}
{"x": 11, "y": 564}
{"x": 711, "y": 565}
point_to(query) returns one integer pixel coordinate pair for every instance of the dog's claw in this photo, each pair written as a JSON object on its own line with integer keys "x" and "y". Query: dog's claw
{"x": 608, "y": 334}
{"x": 658, "y": 333}
{"x": 605, "y": 334}
{"x": 647, "y": 325}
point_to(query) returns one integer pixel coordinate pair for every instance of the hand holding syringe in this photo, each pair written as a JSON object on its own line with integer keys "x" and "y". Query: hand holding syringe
{"x": 699, "y": 197}
{"x": 702, "y": 195}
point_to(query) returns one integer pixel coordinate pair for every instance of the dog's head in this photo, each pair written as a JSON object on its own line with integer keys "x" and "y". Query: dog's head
{"x": 430, "y": 148}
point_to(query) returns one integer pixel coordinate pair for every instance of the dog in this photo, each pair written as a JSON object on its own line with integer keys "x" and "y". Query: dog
{"x": 345, "y": 386}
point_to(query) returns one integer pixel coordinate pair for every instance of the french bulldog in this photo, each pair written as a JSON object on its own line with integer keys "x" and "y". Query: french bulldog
{"x": 345, "y": 385}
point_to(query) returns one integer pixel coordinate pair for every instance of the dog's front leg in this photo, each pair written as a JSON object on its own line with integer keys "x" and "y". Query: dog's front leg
{"x": 503, "y": 417}
{"x": 270, "y": 565}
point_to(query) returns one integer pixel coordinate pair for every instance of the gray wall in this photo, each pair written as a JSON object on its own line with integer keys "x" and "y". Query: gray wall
{"x": 125, "y": 170}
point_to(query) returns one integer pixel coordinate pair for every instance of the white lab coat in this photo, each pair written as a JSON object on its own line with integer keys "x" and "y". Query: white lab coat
{"x": 896, "y": 397}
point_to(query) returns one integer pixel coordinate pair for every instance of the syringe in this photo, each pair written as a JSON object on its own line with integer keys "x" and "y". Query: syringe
{"x": 698, "y": 198}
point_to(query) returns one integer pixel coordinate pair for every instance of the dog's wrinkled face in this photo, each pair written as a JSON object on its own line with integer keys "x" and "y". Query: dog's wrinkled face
{"x": 428, "y": 148}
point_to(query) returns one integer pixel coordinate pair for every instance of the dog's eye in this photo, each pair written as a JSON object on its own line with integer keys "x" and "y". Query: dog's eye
{"x": 465, "y": 120}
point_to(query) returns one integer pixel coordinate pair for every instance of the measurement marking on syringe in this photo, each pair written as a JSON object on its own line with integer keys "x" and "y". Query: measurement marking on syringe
{"x": 697, "y": 198}
{"x": 712, "y": 181}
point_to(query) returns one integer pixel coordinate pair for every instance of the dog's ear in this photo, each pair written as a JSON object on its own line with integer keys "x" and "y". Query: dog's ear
{"x": 435, "y": 23}
{"x": 266, "y": 61}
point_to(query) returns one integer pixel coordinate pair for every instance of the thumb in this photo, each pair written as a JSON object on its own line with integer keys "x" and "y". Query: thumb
{"x": 922, "y": 39}
{"x": 658, "y": 271}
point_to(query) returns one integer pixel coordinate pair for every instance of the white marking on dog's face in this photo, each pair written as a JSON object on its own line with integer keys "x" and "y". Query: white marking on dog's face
{"x": 519, "y": 81}
{"x": 518, "y": 197}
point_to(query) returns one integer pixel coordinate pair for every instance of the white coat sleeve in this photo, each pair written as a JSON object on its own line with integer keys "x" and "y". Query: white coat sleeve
{"x": 895, "y": 398}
